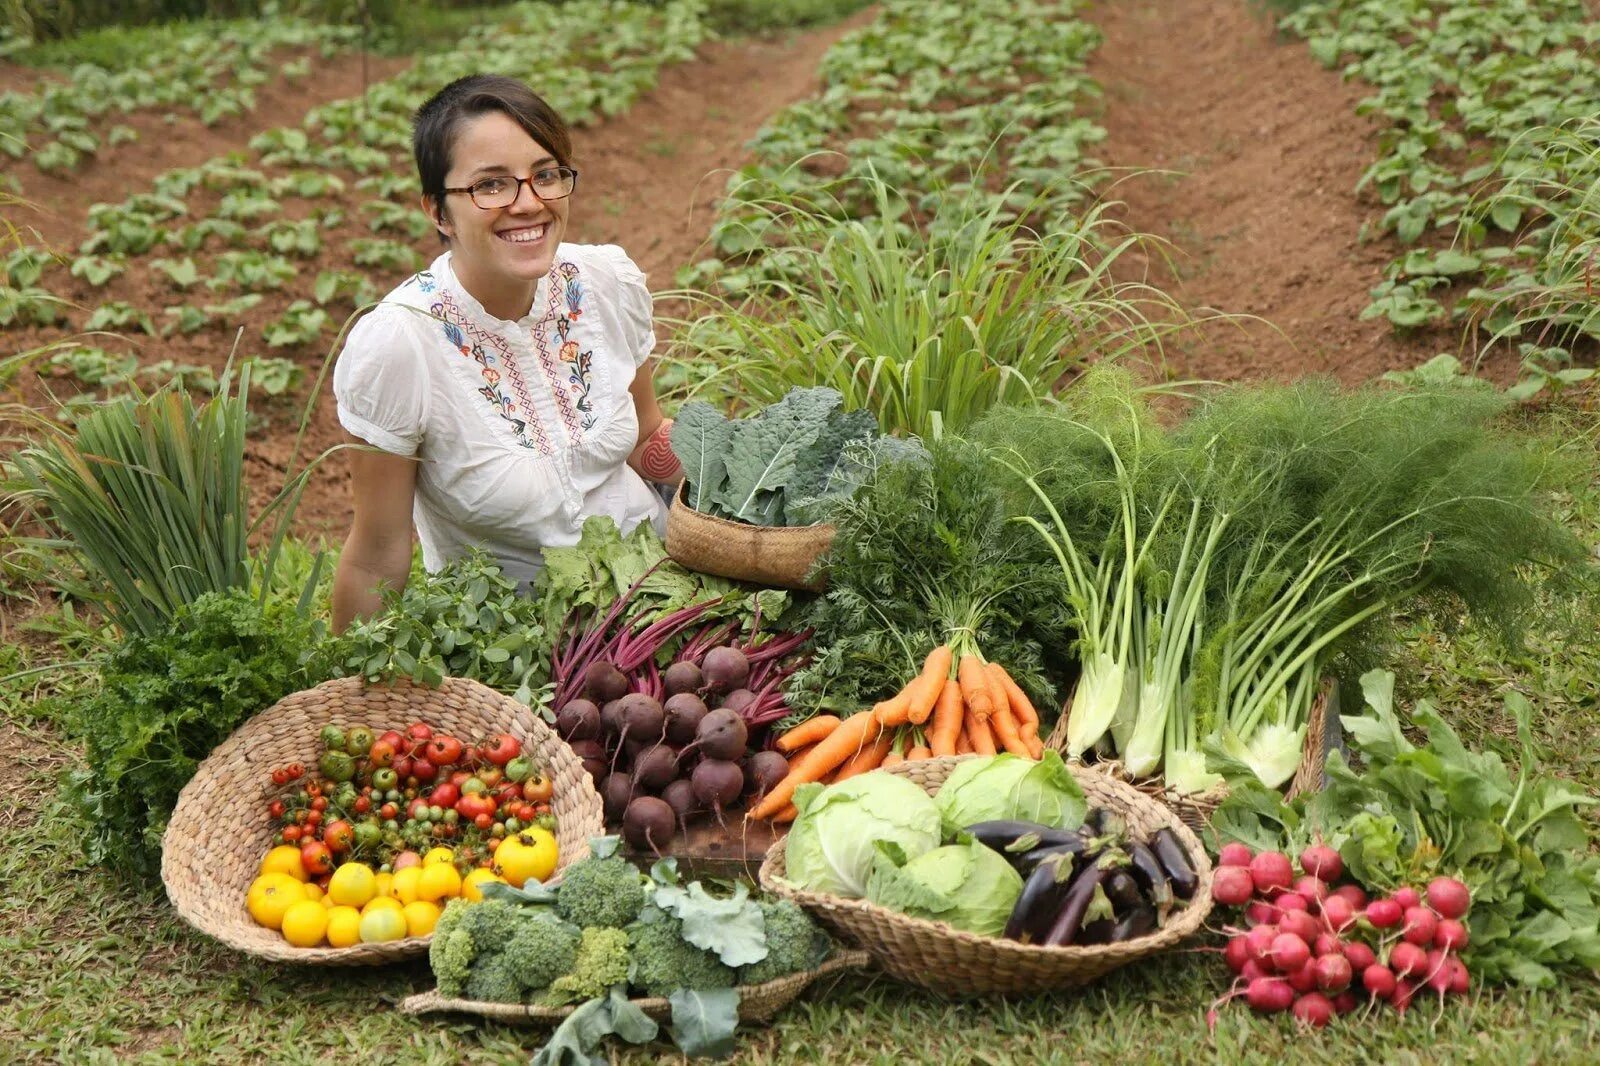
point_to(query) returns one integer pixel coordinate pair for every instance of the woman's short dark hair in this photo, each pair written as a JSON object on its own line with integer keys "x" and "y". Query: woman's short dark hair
{"x": 437, "y": 123}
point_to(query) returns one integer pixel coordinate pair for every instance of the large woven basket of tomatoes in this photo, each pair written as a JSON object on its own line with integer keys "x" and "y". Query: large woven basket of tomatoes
{"x": 333, "y": 827}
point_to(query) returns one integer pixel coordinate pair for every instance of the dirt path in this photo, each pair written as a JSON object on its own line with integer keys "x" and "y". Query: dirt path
{"x": 1266, "y": 149}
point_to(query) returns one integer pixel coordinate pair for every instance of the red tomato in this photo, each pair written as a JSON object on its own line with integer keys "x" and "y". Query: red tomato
{"x": 296, "y": 771}
{"x": 291, "y": 834}
{"x": 382, "y": 753}
{"x": 275, "y": 808}
{"x": 316, "y": 858}
{"x": 388, "y": 811}
{"x": 501, "y": 749}
{"x": 508, "y": 792}
{"x": 444, "y": 794}
{"x": 491, "y": 776}
{"x": 362, "y": 805}
{"x": 459, "y": 777}
{"x": 280, "y": 777}
{"x": 320, "y": 803}
{"x": 483, "y": 821}
{"x": 393, "y": 738}
{"x": 339, "y": 835}
{"x": 443, "y": 750}
{"x": 313, "y": 818}
{"x": 423, "y": 770}
{"x": 401, "y": 766}
{"x": 417, "y": 736}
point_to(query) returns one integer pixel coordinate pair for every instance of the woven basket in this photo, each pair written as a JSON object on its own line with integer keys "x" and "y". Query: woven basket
{"x": 219, "y": 831}
{"x": 957, "y": 963}
{"x": 1196, "y": 808}
{"x": 764, "y": 555}
{"x": 757, "y": 1003}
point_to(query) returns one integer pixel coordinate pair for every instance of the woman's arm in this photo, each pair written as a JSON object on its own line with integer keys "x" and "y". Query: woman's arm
{"x": 377, "y": 553}
{"x": 652, "y": 459}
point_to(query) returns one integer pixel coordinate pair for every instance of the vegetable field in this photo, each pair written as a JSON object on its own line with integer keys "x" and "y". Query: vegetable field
{"x": 1157, "y": 365}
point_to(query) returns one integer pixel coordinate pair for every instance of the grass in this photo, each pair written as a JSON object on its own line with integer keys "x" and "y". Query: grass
{"x": 100, "y": 972}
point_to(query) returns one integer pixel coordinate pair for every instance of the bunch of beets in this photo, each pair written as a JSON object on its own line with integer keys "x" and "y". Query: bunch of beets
{"x": 1313, "y": 948}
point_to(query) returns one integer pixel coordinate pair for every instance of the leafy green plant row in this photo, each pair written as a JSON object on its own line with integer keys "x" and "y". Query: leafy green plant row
{"x": 936, "y": 98}
{"x": 1486, "y": 150}
{"x": 210, "y": 69}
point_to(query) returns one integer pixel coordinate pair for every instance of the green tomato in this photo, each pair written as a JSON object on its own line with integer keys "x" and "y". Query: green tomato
{"x": 451, "y": 816}
{"x": 512, "y": 825}
{"x": 368, "y": 835}
{"x": 385, "y": 779}
{"x": 332, "y": 738}
{"x": 336, "y": 766}
{"x": 358, "y": 741}
{"x": 519, "y": 769}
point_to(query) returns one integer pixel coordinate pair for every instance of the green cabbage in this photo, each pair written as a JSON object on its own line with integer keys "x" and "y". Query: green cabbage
{"x": 830, "y": 845}
{"x": 1010, "y": 787}
{"x": 967, "y": 885}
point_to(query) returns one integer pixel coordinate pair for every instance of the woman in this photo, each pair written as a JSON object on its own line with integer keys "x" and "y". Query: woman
{"x": 505, "y": 392}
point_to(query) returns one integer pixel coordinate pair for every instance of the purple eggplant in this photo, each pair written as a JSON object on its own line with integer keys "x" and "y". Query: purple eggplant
{"x": 1041, "y": 898}
{"x": 1175, "y": 861}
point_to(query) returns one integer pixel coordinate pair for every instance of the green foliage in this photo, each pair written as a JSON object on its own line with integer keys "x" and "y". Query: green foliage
{"x": 601, "y": 893}
{"x": 663, "y": 961}
{"x": 764, "y": 16}
{"x": 167, "y": 699}
{"x": 601, "y": 965}
{"x": 794, "y": 943}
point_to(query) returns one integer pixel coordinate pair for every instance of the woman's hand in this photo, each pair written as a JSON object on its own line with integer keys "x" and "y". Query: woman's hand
{"x": 652, "y": 459}
{"x": 377, "y": 553}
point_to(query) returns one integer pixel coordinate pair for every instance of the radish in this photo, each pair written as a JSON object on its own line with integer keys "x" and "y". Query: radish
{"x": 1314, "y": 1009}
{"x": 1406, "y": 897}
{"x": 1438, "y": 973}
{"x": 1234, "y": 855}
{"x": 1448, "y": 897}
{"x": 1236, "y": 954}
{"x": 1451, "y": 935}
{"x": 1291, "y": 901}
{"x": 1355, "y": 894}
{"x": 1408, "y": 960}
{"x": 1269, "y": 995}
{"x": 1259, "y": 941}
{"x": 1384, "y": 913}
{"x": 1260, "y": 913}
{"x": 1311, "y": 889}
{"x": 1232, "y": 886}
{"x": 1301, "y": 925}
{"x": 1404, "y": 992}
{"x": 1271, "y": 870}
{"x": 1288, "y": 952}
{"x": 1305, "y": 978}
{"x": 1360, "y": 955}
{"x": 1460, "y": 980}
{"x": 1338, "y": 913}
{"x": 1333, "y": 973}
{"x": 1252, "y": 970}
{"x": 1421, "y": 924}
{"x": 1322, "y": 862}
{"x": 1325, "y": 944}
{"x": 1379, "y": 980}
{"x": 1346, "y": 1001}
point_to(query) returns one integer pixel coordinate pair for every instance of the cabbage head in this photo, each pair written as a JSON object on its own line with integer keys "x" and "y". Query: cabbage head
{"x": 966, "y": 884}
{"x": 830, "y": 846}
{"x": 1011, "y": 788}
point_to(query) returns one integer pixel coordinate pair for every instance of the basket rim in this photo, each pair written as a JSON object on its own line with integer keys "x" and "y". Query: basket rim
{"x": 681, "y": 506}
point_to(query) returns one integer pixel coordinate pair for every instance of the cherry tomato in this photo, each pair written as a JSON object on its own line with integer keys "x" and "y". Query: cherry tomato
{"x": 443, "y": 750}
{"x": 537, "y": 788}
{"x": 339, "y": 835}
{"x": 296, "y": 771}
{"x": 483, "y": 821}
{"x": 362, "y": 805}
{"x": 280, "y": 777}
{"x": 382, "y": 753}
{"x": 291, "y": 834}
{"x": 320, "y": 803}
{"x": 388, "y": 811}
{"x": 275, "y": 808}
{"x": 313, "y": 818}
{"x": 316, "y": 858}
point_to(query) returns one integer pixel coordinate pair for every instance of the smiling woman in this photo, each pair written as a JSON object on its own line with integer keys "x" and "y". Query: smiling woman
{"x": 505, "y": 393}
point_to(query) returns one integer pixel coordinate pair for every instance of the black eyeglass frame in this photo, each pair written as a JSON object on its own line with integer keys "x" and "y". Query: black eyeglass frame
{"x": 519, "y": 182}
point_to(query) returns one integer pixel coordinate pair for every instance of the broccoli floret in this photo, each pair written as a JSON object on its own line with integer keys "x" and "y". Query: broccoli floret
{"x": 493, "y": 921}
{"x": 494, "y": 979}
{"x": 664, "y": 962}
{"x": 602, "y": 961}
{"x": 600, "y": 892}
{"x": 794, "y": 943}
{"x": 452, "y": 950}
{"x": 542, "y": 949}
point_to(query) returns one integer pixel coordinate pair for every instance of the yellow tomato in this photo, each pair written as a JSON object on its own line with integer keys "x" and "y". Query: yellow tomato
{"x": 439, "y": 854}
{"x": 439, "y": 881}
{"x": 304, "y": 923}
{"x": 381, "y": 903}
{"x": 383, "y": 884}
{"x": 420, "y": 917}
{"x": 283, "y": 859}
{"x": 353, "y": 884}
{"x": 404, "y": 887}
{"x": 344, "y": 926}
{"x": 472, "y": 887}
{"x": 383, "y": 923}
{"x": 531, "y": 855}
{"x": 270, "y": 896}
{"x": 313, "y": 891}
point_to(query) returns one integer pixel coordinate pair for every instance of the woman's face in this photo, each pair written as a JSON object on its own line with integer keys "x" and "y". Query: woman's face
{"x": 503, "y": 244}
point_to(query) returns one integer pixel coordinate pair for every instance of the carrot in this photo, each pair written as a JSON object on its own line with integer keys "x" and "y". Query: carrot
{"x": 894, "y": 710}
{"x": 851, "y": 735}
{"x": 1021, "y": 706}
{"x": 919, "y": 751}
{"x": 788, "y": 814}
{"x": 894, "y": 758}
{"x": 925, "y": 690}
{"x": 964, "y": 743}
{"x": 946, "y": 729}
{"x": 868, "y": 758}
{"x": 975, "y": 688}
{"x": 1035, "y": 747}
{"x": 808, "y": 732}
{"x": 978, "y": 732}
{"x": 1005, "y": 731}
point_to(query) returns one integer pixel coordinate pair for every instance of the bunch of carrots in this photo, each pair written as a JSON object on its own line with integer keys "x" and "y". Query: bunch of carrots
{"x": 956, "y": 705}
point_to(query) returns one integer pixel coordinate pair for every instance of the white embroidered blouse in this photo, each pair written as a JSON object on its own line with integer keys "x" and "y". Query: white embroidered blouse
{"x": 522, "y": 429}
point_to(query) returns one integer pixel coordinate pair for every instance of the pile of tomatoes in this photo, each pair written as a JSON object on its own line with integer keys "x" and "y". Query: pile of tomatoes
{"x": 372, "y": 797}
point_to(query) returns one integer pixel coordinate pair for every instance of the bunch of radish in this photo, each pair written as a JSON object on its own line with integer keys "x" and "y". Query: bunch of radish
{"x": 1317, "y": 948}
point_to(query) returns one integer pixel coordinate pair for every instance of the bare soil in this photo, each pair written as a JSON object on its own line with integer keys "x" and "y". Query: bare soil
{"x": 1257, "y": 151}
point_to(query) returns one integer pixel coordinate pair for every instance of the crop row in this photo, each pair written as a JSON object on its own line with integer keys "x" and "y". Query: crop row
{"x": 211, "y": 70}
{"x": 1478, "y": 170}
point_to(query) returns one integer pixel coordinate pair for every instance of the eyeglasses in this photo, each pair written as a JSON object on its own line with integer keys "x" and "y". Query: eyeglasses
{"x": 488, "y": 194}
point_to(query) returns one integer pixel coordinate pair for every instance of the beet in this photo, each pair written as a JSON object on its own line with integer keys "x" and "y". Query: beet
{"x": 616, "y": 794}
{"x": 603, "y": 682}
{"x": 593, "y": 754}
{"x": 764, "y": 770}
{"x": 611, "y": 718}
{"x": 681, "y": 798}
{"x": 655, "y": 767}
{"x": 738, "y": 700}
{"x": 681, "y": 678}
{"x": 722, "y": 734}
{"x": 649, "y": 824}
{"x": 717, "y": 783}
{"x": 641, "y": 716}
{"x": 579, "y": 720}
{"x": 725, "y": 669}
{"x": 683, "y": 711}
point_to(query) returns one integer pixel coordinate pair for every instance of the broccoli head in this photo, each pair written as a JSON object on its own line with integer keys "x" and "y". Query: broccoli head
{"x": 600, "y": 892}
{"x": 494, "y": 979}
{"x": 601, "y": 962}
{"x": 452, "y": 950}
{"x": 664, "y": 962}
{"x": 794, "y": 943}
{"x": 492, "y": 922}
{"x": 542, "y": 949}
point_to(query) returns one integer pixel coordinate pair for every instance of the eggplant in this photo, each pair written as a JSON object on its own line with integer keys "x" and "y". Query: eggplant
{"x": 1147, "y": 871}
{"x": 1065, "y": 928}
{"x": 1175, "y": 861}
{"x": 1004, "y": 836}
{"x": 1098, "y": 931}
{"x": 1041, "y": 898}
{"x": 1122, "y": 889}
{"x": 1095, "y": 820}
{"x": 1140, "y": 921}
{"x": 1078, "y": 849}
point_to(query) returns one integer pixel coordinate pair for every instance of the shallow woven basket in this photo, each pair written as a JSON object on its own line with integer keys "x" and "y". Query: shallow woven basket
{"x": 764, "y": 555}
{"x": 957, "y": 963}
{"x": 1196, "y": 808}
{"x": 757, "y": 1003}
{"x": 219, "y": 831}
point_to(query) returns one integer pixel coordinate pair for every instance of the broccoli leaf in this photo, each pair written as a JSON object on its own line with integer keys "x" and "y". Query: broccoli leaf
{"x": 700, "y": 437}
{"x": 703, "y": 1023}
{"x": 734, "y": 928}
{"x": 577, "y": 1039}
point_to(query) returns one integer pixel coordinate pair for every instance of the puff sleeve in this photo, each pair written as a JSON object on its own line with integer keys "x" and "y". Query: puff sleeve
{"x": 635, "y": 308}
{"x": 380, "y": 383}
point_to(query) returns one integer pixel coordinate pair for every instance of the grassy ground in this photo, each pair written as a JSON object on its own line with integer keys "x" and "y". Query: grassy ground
{"x": 98, "y": 972}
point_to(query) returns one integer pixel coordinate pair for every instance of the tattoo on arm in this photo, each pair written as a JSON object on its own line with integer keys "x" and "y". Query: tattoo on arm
{"x": 656, "y": 460}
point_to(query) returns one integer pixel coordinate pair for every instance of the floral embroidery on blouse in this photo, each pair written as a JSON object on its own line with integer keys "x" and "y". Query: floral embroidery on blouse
{"x": 579, "y": 364}
{"x": 569, "y": 368}
{"x": 470, "y": 339}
